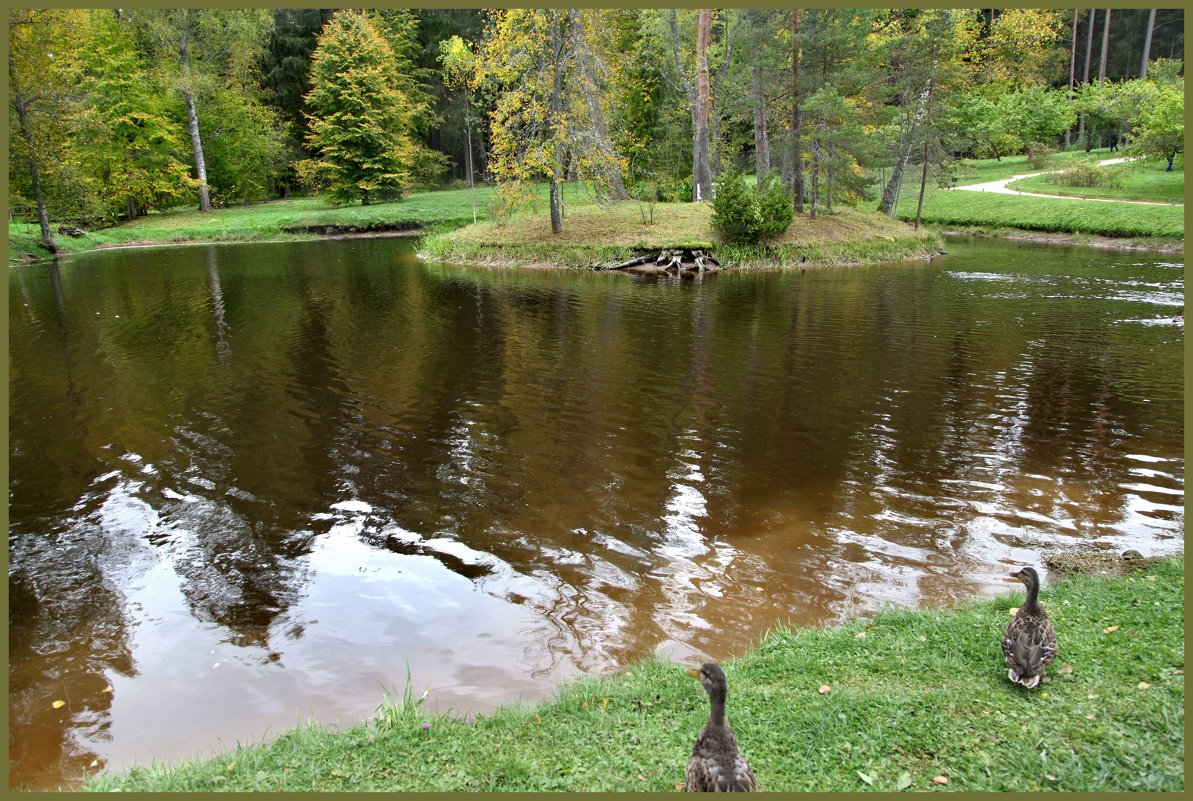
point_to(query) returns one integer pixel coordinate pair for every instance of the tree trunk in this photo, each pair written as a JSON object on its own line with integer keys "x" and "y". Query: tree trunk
{"x": 828, "y": 189}
{"x": 555, "y": 106}
{"x": 815, "y": 178}
{"x": 593, "y": 101}
{"x": 919, "y": 208}
{"x": 468, "y": 159}
{"x": 1089, "y": 49}
{"x": 1105, "y": 47}
{"x": 701, "y": 174}
{"x": 797, "y": 173}
{"x": 1147, "y": 42}
{"x": 891, "y": 192}
{"x": 761, "y": 145}
{"x": 1072, "y": 71}
{"x": 556, "y": 216}
{"x": 192, "y": 116}
{"x": 43, "y": 216}
{"x": 716, "y": 109}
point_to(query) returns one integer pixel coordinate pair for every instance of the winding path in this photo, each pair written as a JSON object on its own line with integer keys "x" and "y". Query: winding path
{"x": 1000, "y": 187}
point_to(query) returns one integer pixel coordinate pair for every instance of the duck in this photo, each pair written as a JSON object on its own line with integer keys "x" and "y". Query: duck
{"x": 1029, "y": 642}
{"x": 715, "y": 765}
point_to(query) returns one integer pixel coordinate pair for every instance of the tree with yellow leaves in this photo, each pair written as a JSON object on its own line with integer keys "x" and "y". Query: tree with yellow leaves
{"x": 547, "y": 118}
{"x": 357, "y": 113}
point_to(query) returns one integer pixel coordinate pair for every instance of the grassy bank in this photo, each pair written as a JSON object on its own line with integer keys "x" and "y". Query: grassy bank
{"x": 988, "y": 212}
{"x": 1136, "y": 182}
{"x": 292, "y": 218}
{"x": 609, "y": 234}
{"x": 914, "y": 695}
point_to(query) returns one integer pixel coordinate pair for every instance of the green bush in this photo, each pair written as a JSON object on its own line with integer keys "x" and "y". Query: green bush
{"x": 740, "y": 215}
{"x": 775, "y": 206}
{"x": 676, "y": 191}
{"x": 1037, "y": 155}
{"x": 735, "y": 214}
{"x": 1085, "y": 174}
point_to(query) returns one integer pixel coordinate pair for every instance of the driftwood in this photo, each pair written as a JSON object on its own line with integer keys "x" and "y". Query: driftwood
{"x": 681, "y": 260}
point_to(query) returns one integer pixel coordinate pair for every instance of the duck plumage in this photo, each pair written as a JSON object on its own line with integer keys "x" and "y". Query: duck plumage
{"x": 1029, "y": 642}
{"x": 715, "y": 765}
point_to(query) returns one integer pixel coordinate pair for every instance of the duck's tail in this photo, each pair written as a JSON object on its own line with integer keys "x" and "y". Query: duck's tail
{"x": 1027, "y": 681}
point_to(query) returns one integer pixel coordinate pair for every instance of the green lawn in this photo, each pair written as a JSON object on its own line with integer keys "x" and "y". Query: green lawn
{"x": 1146, "y": 181}
{"x": 977, "y": 171}
{"x": 993, "y": 212}
{"x": 264, "y": 221}
{"x": 987, "y": 210}
{"x": 913, "y": 695}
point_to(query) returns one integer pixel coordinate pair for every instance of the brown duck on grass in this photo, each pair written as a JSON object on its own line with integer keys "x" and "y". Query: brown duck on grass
{"x": 1029, "y": 642}
{"x": 716, "y": 766}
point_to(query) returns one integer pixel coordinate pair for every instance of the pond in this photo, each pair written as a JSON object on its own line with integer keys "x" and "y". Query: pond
{"x": 255, "y": 484}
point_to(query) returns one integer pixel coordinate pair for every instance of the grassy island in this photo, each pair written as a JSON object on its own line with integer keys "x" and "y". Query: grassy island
{"x": 604, "y": 235}
{"x": 907, "y": 699}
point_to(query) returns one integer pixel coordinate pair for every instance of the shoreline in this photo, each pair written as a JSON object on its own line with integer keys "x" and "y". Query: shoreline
{"x": 1176, "y": 246}
{"x": 904, "y": 696}
{"x": 769, "y": 256}
{"x": 406, "y": 233}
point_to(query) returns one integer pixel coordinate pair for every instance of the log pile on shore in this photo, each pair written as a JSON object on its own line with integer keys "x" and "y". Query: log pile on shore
{"x": 674, "y": 261}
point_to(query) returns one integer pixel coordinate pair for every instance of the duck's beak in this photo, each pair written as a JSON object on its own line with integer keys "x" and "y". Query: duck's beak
{"x": 694, "y": 673}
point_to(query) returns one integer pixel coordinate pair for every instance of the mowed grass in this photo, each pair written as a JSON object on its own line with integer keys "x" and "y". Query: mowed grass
{"x": 913, "y": 695}
{"x": 609, "y": 233}
{"x": 994, "y": 212}
{"x": 977, "y": 171}
{"x": 1146, "y": 181}
{"x": 272, "y": 220}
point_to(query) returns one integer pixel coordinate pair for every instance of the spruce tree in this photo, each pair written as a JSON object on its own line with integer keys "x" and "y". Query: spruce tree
{"x": 357, "y": 113}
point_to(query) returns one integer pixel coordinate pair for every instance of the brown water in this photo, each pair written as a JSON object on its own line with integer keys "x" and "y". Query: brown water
{"x": 250, "y": 485}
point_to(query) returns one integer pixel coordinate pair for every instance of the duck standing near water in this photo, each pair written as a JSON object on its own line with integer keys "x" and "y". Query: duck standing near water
{"x": 716, "y": 766}
{"x": 1029, "y": 642}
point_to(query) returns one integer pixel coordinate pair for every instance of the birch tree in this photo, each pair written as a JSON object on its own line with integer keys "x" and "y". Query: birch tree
{"x": 544, "y": 120}
{"x": 201, "y": 50}
{"x": 39, "y": 67}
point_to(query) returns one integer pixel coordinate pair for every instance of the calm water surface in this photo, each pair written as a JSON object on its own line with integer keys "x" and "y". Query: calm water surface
{"x": 254, "y": 484}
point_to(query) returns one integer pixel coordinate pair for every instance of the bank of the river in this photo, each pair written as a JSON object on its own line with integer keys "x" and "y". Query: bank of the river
{"x": 278, "y": 220}
{"x": 605, "y": 235}
{"x": 998, "y": 212}
{"x": 595, "y": 234}
{"x": 1077, "y": 221}
{"x": 891, "y": 702}
{"x": 1150, "y": 244}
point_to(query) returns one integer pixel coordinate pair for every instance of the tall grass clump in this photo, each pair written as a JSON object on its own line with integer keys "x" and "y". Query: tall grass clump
{"x": 1086, "y": 174}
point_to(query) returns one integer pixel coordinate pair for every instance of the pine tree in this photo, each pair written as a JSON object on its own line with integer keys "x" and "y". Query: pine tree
{"x": 357, "y": 113}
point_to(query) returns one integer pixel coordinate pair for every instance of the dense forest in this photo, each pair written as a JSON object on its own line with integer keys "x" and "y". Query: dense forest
{"x": 115, "y": 113}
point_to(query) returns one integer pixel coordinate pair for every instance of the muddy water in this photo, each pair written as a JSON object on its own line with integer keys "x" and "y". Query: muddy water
{"x": 252, "y": 485}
